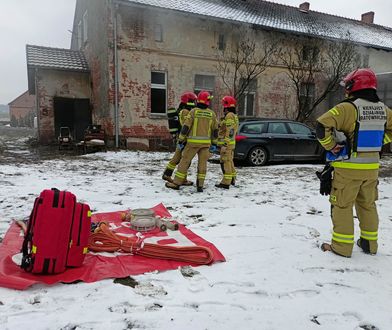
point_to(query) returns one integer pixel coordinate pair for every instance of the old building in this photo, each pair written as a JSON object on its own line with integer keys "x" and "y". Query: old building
{"x": 22, "y": 110}
{"x": 142, "y": 54}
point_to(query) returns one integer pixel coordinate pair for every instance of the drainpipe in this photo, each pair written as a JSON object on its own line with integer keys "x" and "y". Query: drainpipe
{"x": 36, "y": 102}
{"x": 116, "y": 121}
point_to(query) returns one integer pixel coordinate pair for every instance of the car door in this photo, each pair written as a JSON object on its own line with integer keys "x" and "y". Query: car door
{"x": 280, "y": 140}
{"x": 305, "y": 144}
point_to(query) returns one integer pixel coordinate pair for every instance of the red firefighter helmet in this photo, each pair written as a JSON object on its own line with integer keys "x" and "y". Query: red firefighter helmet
{"x": 229, "y": 102}
{"x": 188, "y": 98}
{"x": 204, "y": 97}
{"x": 360, "y": 79}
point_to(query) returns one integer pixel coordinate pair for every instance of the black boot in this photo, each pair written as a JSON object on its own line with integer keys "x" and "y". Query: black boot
{"x": 233, "y": 182}
{"x": 364, "y": 245}
{"x": 199, "y": 189}
{"x": 167, "y": 175}
{"x": 223, "y": 186}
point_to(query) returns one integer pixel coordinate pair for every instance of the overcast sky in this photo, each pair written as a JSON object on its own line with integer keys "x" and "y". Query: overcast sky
{"x": 47, "y": 23}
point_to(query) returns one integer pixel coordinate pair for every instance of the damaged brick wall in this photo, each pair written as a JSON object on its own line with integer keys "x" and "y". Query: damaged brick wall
{"x": 51, "y": 84}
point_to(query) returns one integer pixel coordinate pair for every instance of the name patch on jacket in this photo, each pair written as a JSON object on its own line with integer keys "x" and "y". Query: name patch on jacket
{"x": 372, "y": 112}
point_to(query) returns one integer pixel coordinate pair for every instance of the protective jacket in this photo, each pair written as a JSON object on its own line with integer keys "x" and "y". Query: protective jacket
{"x": 200, "y": 127}
{"x": 228, "y": 129}
{"x": 367, "y": 125}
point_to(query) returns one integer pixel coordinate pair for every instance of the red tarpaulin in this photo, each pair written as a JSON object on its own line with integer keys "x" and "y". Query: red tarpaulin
{"x": 98, "y": 266}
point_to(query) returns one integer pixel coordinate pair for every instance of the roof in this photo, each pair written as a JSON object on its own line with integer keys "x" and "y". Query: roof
{"x": 56, "y": 58}
{"x": 19, "y": 97}
{"x": 279, "y": 17}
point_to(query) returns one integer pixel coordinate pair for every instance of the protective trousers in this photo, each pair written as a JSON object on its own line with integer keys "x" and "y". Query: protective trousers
{"x": 354, "y": 188}
{"x": 173, "y": 162}
{"x": 227, "y": 164}
{"x": 188, "y": 153}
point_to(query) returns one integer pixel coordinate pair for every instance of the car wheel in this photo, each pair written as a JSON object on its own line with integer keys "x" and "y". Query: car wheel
{"x": 258, "y": 156}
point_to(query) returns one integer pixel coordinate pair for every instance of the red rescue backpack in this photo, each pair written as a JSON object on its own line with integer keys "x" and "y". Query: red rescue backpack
{"x": 57, "y": 233}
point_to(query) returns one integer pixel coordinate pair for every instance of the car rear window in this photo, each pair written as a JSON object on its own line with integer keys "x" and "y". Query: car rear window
{"x": 253, "y": 128}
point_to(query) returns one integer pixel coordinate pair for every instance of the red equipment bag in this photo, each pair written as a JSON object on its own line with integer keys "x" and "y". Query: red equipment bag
{"x": 50, "y": 233}
{"x": 79, "y": 236}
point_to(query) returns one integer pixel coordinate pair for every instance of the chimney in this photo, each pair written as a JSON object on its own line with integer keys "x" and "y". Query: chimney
{"x": 368, "y": 17}
{"x": 304, "y": 7}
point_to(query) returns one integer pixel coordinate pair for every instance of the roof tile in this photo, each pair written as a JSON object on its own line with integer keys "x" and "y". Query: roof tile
{"x": 56, "y": 58}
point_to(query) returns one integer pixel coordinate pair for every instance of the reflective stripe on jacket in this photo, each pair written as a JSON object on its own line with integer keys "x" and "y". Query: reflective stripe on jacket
{"x": 228, "y": 129}
{"x": 369, "y": 132}
{"x": 344, "y": 117}
{"x": 202, "y": 125}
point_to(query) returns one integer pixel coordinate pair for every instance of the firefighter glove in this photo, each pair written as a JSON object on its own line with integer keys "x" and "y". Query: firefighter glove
{"x": 213, "y": 148}
{"x": 325, "y": 177}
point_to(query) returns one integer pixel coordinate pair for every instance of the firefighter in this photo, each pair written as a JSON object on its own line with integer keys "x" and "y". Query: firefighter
{"x": 200, "y": 131}
{"x": 176, "y": 120}
{"x": 226, "y": 141}
{"x": 367, "y": 125}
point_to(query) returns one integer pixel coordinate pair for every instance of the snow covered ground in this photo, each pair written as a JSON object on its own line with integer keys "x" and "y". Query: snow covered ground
{"x": 269, "y": 227}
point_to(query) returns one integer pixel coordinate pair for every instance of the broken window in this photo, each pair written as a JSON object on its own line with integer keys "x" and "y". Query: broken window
{"x": 158, "y": 32}
{"x": 158, "y": 92}
{"x": 246, "y": 102}
{"x": 85, "y": 27}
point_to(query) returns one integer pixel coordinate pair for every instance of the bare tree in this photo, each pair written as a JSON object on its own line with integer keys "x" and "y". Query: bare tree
{"x": 317, "y": 63}
{"x": 244, "y": 59}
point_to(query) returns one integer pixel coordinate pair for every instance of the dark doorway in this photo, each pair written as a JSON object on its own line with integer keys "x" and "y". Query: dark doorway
{"x": 72, "y": 113}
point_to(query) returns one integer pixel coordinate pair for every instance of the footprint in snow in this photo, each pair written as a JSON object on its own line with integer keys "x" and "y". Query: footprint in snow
{"x": 197, "y": 282}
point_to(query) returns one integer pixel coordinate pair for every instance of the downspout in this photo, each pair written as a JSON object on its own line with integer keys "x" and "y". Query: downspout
{"x": 116, "y": 119}
{"x": 36, "y": 102}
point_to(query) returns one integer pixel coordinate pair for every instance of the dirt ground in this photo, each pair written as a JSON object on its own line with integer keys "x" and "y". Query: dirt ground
{"x": 19, "y": 145}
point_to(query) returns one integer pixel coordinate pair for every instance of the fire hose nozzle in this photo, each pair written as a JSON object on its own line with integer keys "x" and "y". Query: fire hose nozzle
{"x": 163, "y": 225}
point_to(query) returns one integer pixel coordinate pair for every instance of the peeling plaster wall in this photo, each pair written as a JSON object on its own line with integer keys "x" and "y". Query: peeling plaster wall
{"x": 51, "y": 84}
{"x": 98, "y": 50}
{"x": 181, "y": 56}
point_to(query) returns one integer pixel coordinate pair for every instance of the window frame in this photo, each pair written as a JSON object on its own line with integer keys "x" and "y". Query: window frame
{"x": 158, "y": 31}
{"x": 161, "y": 87}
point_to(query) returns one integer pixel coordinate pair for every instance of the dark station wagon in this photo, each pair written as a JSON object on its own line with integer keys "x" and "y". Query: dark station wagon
{"x": 263, "y": 140}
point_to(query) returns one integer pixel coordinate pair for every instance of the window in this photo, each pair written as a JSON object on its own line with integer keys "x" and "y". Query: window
{"x": 307, "y": 95}
{"x": 79, "y": 35}
{"x": 158, "y": 92}
{"x": 221, "y": 41}
{"x": 204, "y": 83}
{"x": 254, "y": 128}
{"x": 85, "y": 27}
{"x": 246, "y": 102}
{"x": 277, "y": 128}
{"x": 310, "y": 53}
{"x": 158, "y": 32}
{"x": 299, "y": 129}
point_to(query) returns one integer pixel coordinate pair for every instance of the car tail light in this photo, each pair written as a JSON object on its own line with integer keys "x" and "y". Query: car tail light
{"x": 240, "y": 138}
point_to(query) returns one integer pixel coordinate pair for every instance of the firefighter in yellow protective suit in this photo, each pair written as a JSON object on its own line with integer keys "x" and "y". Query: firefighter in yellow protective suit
{"x": 367, "y": 124}
{"x": 228, "y": 129}
{"x": 176, "y": 120}
{"x": 200, "y": 131}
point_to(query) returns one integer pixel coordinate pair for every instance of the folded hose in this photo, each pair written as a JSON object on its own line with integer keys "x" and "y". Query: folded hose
{"x": 104, "y": 240}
